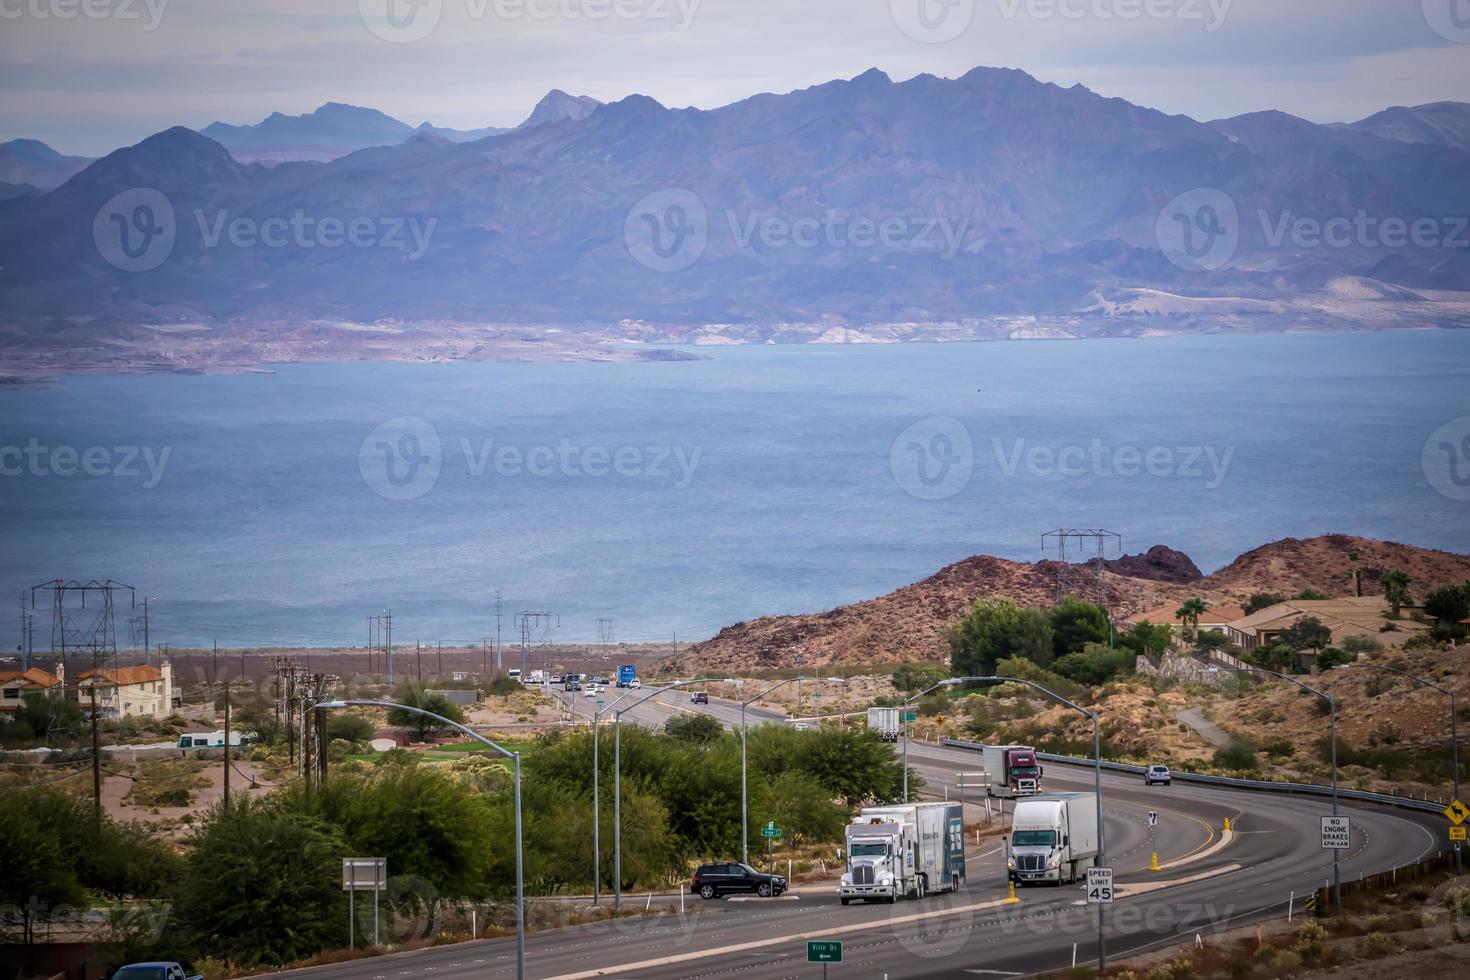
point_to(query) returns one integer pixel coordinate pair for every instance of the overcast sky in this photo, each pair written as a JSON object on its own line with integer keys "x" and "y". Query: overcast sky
{"x": 88, "y": 76}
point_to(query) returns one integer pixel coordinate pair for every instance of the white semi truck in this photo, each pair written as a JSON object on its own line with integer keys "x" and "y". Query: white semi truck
{"x": 884, "y": 721}
{"x": 1054, "y": 838}
{"x": 904, "y": 851}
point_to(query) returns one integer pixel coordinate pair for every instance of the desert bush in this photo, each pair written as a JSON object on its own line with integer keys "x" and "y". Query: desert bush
{"x": 1174, "y": 970}
{"x": 1457, "y": 900}
{"x": 1378, "y": 944}
{"x": 1311, "y": 941}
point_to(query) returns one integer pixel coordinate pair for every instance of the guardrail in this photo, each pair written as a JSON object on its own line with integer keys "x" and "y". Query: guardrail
{"x": 1256, "y": 785}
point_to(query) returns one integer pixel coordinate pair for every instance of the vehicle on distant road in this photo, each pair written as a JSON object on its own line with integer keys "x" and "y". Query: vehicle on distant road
{"x": 1157, "y": 774}
{"x": 800, "y": 726}
{"x": 154, "y": 971}
{"x": 635, "y": 685}
{"x": 1053, "y": 838}
{"x": 1011, "y": 770}
{"x": 906, "y": 851}
{"x": 591, "y": 691}
{"x": 699, "y": 697}
{"x": 627, "y": 674}
{"x": 718, "y": 880}
{"x": 884, "y": 721}
{"x": 573, "y": 685}
{"x": 215, "y": 740}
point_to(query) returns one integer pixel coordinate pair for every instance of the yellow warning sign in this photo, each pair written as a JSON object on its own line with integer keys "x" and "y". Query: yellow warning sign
{"x": 1457, "y": 812}
{"x": 1458, "y": 833}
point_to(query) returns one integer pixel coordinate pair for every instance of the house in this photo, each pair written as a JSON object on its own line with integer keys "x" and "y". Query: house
{"x": 140, "y": 691}
{"x": 1216, "y": 619}
{"x": 16, "y": 684}
{"x": 1350, "y": 616}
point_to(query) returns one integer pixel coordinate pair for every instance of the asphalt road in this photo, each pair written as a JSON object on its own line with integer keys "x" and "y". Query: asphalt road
{"x": 1274, "y": 853}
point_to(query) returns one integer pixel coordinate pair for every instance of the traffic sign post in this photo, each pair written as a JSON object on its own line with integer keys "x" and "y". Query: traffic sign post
{"x": 363, "y": 875}
{"x": 770, "y": 832}
{"x": 1457, "y": 812}
{"x": 1099, "y": 886}
{"x": 1337, "y": 833}
{"x": 1153, "y": 840}
{"x": 1458, "y": 834}
{"x": 823, "y": 952}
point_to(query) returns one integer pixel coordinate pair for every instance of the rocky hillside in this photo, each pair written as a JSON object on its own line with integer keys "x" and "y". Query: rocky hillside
{"x": 910, "y": 623}
{"x": 1325, "y": 564}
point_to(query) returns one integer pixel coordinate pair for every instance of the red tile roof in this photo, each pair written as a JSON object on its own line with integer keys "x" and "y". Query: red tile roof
{"x": 122, "y": 676}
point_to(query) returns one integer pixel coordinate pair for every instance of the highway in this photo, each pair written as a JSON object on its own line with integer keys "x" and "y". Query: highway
{"x": 1208, "y": 881}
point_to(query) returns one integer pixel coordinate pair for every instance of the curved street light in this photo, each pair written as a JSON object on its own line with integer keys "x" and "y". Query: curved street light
{"x": 618, "y": 780}
{"x": 514, "y": 757}
{"x": 744, "y": 803}
{"x": 1454, "y": 727}
{"x": 596, "y": 808}
{"x": 1332, "y": 707}
{"x": 1102, "y": 847}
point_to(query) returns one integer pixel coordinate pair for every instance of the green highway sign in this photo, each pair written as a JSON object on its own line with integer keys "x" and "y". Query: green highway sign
{"x": 770, "y": 831}
{"x": 819, "y": 951}
{"x": 910, "y": 716}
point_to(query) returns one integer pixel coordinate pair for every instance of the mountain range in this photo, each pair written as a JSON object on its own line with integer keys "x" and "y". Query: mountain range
{"x": 859, "y": 209}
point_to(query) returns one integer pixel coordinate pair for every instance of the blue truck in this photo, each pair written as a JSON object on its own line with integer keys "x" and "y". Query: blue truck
{"x": 627, "y": 675}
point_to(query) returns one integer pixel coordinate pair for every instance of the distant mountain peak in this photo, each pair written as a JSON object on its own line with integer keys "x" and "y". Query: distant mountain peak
{"x": 556, "y": 106}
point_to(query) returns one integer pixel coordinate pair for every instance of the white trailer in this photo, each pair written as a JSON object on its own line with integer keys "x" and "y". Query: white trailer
{"x": 1054, "y": 838}
{"x": 884, "y": 721}
{"x": 1012, "y": 770}
{"x": 905, "y": 851}
{"x": 215, "y": 740}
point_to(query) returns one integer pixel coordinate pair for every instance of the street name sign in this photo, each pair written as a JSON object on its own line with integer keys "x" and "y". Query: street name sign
{"x": 823, "y": 951}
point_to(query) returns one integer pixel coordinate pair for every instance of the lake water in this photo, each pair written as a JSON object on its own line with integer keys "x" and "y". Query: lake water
{"x": 684, "y": 496}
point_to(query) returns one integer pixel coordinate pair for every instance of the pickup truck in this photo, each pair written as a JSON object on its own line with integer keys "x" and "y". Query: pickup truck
{"x": 154, "y": 971}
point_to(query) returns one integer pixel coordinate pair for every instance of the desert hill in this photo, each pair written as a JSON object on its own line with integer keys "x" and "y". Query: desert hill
{"x": 909, "y": 624}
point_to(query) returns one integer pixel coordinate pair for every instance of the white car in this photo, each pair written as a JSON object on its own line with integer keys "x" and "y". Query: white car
{"x": 1157, "y": 774}
{"x": 590, "y": 691}
{"x": 635, "y": 685}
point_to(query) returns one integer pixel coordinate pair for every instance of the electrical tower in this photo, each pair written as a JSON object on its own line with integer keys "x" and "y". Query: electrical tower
{"x": 1096, "y": 539}
{"x": 535, "y": 629}
{"x": 605, "y": 630}
{"x": 82, "y": 621}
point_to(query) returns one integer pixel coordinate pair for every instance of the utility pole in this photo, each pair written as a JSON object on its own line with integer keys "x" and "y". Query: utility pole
{"x": 227, "y": 743}
{"x": 388, "y": 648}
{"x": 146, "y": 654}
{"x": 484, "y": 657}
{"x": 214, "y": 660}
{"x": 418, "y": 660}
{"x": 96, "y": 755}
{"x": 497, "y": 633}
{"x": 372, "y": 640}
{"x": 439, "y": 650}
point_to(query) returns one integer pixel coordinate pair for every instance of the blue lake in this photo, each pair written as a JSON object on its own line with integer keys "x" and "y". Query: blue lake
{"x": 684, "y": 496}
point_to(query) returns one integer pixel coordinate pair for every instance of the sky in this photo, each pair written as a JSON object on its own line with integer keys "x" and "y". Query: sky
{"x": 88, "y": 76}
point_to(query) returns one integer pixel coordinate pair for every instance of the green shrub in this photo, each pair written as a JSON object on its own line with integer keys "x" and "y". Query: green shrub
{"x": 1311, "y": 941}
{"x": 1378, "y": 944}
{"x": 1174, "y": 970}
{"x": 1238, "y": 756}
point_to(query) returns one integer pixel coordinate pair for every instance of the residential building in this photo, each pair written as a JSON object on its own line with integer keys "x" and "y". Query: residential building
{"x": 16, "y": 684}
{"x": 140, "y": 691}
{"x": 1365, "y": 616}
{"x": 1215, "y": 619}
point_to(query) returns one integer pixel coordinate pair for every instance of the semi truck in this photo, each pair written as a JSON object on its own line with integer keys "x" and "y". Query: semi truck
{"x": 627, "y": 674}
{"x": 1054, "y": 838}
{"x": 1011, "y": 771}
{"x": 884, "y": 721}
{"x": 215, "y": 740}
{"x": 905, "y": 851}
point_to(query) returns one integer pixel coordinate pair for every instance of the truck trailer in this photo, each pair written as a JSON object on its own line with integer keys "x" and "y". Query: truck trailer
{"x": 1011, "y": 771}
{"x": 884, "y": 721}
{"x": 627, "y": 674}
{"x": 906, "y": 851}
{"x": 1054, "y": 838}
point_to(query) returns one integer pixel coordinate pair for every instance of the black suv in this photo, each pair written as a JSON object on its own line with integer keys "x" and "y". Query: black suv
{"x": 718, "y": 880}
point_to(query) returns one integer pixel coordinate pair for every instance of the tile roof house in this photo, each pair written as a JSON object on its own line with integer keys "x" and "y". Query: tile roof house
{"x": 1349, "y": 616}
{"x": 1216, "y": 619}
{"x": 16, "y": 684}
{"x": 141, "y": 690}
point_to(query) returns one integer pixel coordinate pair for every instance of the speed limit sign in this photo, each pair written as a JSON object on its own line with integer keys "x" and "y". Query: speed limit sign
{"x": 1099, "y": 886}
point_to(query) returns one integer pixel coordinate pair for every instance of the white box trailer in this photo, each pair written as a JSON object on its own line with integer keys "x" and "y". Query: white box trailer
{"x": 215, "y": 740}
{"x": 1054, "y": 838}
{"x": 1012, "y": 770}
{"x": 884, "y": 721}
{"x": 905, "y": 851}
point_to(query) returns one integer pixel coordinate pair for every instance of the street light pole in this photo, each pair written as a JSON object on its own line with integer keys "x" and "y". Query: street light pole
{"x": 618, "y": 780}
{"x": 744, "y": 799}
{"x": 596, "y": 803}
{"x": 515, "y": 757}
{"x": 1332, "y": 708}
{"x": 1102, "y": 846}
{"x": 1454, "y": 728}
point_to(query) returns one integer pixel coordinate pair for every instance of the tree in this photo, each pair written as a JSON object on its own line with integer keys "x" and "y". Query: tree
{"x": 264, "y": 885}
{"x": 417, "y": 696}
{"x": 1449, "y": 605}
{"x": 1333, "y": 657}
{"x": 701, "y": 729}
{"x": 1311, "y": 595}
{"x": 1237, "y": 756}
{"x": 1211, "y": 640}
{"x": 917, "y": 677}
{"x": 46, "y": 716}
{"x": 1262, "y": 600}
{"x": 350, "y": 727}
{"x": 1194, "y": 607}
{"x": 1148, "y": 638}
{"x": 1275, "y": 655}
{"x": 40, "y": 867}
{"x": 1396, "y": 590}
{"x": 1094, "y": 665}
{"x": 1307, "y": 633}
{"x": 1076, "y": 623}
{"x": 996, "y": 630}
{"x": 1357, "y": 646}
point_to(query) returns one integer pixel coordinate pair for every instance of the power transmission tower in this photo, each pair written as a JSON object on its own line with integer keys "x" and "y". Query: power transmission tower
{"x": 605, "y": 630}
{"x": 535, "y": 628}
{"x": 78, "y": 628}
{"x": 1098, "y": 537}
{"x": 497, "y": 633}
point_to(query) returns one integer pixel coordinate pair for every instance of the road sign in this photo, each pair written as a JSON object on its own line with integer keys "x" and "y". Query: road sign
{"x": 364, "y": 874}
{"x": 823, "y": 951}
{"x": 1153, "y": 818}
{"x": 1458, "y": 833}
{"x": 771, "y": 831}
{"x": 1457, "y": 812}
{"x": 1336, "y": 833}
{"x": 1099, "y": 886}
{"x": 910, "y": 716}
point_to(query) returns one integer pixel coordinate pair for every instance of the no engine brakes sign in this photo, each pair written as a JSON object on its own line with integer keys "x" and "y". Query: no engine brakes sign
{"x": 1336, "y": 833}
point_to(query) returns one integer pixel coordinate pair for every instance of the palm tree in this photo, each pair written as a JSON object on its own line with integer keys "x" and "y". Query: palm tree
{"x": 1396, "y": 590}
{"x": 1193, "y": 608}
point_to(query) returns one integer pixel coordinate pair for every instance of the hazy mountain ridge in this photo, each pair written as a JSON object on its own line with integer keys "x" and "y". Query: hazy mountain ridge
{"x": 25, "y": 162}
{"x": 1015, "y": 199}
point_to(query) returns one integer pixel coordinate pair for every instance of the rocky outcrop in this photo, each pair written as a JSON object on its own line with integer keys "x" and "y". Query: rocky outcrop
{"x": 1159, "y": 563}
